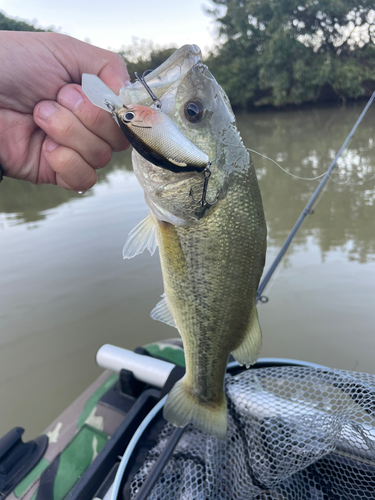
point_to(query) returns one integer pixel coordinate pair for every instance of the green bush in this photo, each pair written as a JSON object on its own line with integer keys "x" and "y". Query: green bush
{"x": 280, "y": 52}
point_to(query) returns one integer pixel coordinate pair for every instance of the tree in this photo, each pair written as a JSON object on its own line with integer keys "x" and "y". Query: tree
{"x": 292, "y": 51}
{"x": 9, "y": 24}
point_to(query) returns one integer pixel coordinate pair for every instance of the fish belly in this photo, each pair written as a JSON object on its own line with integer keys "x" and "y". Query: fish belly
{"x": 211, "y": 272}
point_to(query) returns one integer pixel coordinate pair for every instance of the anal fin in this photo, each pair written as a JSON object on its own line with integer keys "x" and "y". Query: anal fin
{"x": 141, "y": 237}
{"x": 162, "y": 312}
{"x": 247, "y": 353}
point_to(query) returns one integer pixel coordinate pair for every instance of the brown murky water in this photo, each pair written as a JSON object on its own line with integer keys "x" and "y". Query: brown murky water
{"x": 65, "y": 290}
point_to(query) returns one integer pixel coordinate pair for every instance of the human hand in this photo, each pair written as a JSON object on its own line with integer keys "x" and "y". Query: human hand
{"x": 49, "y": 130}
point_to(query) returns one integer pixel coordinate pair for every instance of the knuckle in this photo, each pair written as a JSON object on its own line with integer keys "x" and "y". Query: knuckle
{"x": 106, "y": 155}
{"x": 102, "y": 157}
{"x": 98, "y": 119}
{"x": 60, "y": 126}
{"x": 67, "y": 128}
{"x": 121, "y": 145}
{"x": 63, "y": 157}
{"x": 117, "y": 58}
{"x": 74, "y": 170}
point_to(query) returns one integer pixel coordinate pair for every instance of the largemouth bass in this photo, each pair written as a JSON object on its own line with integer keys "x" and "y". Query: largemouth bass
{"x": 212, "y": 252}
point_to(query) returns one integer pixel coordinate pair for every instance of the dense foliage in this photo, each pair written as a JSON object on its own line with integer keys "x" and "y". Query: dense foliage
{"x": 8, "y": 24}
{"x": 293, "y": 51}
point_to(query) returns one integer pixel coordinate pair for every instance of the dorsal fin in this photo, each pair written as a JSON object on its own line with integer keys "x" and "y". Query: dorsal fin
{"x": 141, "y": 237}
{"x": 162, "y": 312}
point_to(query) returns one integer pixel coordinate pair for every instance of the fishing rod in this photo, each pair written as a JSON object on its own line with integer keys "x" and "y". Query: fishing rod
{"x": 308, "y": 208}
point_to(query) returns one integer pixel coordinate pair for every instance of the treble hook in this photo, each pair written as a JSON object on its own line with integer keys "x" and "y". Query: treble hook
{"x": 142, "y": 80}
{"x": 203, "y": 201}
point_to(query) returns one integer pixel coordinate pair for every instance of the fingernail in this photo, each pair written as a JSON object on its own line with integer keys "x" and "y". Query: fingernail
{"x": 70, "y": 98}
{"x": 50, "y": 145}
{"x": 46, "y": 109}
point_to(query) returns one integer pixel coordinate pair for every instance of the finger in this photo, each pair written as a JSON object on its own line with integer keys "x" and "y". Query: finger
{"x": 98, "y": 121}
{"x": 114, "y": 73}
{"x": 72, "y": 171}
{"x": 64, "y": 128}
{"x": 82, "y": 57}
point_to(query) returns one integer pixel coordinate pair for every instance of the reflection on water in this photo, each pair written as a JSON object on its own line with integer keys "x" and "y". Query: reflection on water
{"x": 305, "y": 143}
{"x": 64, "y": 289}
{"x": 23, "y": 202}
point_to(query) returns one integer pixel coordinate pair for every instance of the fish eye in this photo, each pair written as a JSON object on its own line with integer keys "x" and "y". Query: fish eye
{"x": 127, "y": 117}
{"x": 194, "y": 111}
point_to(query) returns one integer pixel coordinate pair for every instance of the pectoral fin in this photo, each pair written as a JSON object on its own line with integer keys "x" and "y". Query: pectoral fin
{"x": 162, "y": 312}
{"x": 247, "y": 353}
{"x": 141, "y": 237}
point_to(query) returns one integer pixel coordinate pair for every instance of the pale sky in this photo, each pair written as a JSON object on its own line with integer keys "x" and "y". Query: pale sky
{"x": 114, "y": 23}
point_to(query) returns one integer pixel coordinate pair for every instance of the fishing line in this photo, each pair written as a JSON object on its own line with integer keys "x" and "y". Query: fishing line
{"x": 353, "y": 184}
{"x": 345, "y": 183}
{"x": 283, "y": 169}
{"x": 305, "y": 178}
{"x": 275, "y": 162}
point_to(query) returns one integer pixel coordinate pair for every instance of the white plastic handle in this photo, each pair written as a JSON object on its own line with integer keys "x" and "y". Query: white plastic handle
{"x": 149, "y": 370}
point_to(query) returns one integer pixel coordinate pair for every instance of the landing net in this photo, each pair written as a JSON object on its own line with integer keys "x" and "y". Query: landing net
{"x": 294, "y": 433}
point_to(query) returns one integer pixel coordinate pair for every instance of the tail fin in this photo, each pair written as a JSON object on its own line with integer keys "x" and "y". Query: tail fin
{"x": 182, "y": 408}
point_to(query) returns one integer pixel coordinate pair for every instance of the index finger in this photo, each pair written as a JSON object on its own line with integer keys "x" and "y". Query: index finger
{"x": 98, "y": 121}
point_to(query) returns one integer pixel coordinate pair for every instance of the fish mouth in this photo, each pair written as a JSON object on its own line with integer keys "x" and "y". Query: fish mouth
{"x": 164, "y": 80}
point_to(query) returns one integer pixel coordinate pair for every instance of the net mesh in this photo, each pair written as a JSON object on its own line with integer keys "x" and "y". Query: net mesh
{"x": 294, "y": 433}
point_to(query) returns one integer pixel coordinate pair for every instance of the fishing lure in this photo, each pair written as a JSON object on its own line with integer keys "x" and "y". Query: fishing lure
{"x": 151, "y": 132}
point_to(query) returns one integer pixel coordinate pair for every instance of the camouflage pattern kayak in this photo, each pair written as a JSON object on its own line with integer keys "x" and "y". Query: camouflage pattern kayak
{"x": 84, "y": 442}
